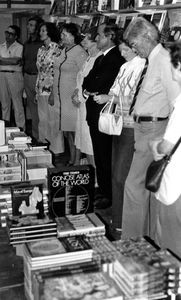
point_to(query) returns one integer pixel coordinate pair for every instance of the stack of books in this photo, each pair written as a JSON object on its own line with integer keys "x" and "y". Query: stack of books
{"x": 137, "y": 279}
{"x": 6, "y": 199}
{"x": 104, "y": 250}
{"x": 10, "y": 167}
{"x": 39, "y": 277}
{"x": 19, "y": 140}
{"x": 37, "y": 162}
{"x": 28, "y": 220}
{"x": 53, "y": 253}
{"x": 145, "y": 271}
{"x": 30, "y": 228}
{"x": 80, "y": 285}
{"x": 88, "y": 224}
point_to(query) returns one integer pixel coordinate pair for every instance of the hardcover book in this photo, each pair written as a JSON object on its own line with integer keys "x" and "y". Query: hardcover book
{"x": 93, "y": 285}
{"x": 71, "y": 190}
{"x": 27, "y": 200}
{"x": 54, "y": 248}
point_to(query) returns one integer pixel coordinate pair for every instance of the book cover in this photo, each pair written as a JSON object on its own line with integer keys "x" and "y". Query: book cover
{"x": 27, "y": 200}
{"x": 75, "y": 243}
{"x": 45, "y": 248}
{"x": 71, "y": 190}
{"x": 93, "y": 285}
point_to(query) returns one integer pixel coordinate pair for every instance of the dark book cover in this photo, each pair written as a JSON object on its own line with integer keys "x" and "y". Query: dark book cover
{"x": 71, "y": 190}
{"x": 27, "y": 200}
{"x": 75, "y": 243}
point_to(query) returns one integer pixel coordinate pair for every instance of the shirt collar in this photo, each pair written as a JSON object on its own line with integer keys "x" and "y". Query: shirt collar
{"x": 12, "y": 45}
{"x": 154, "y": 52}
{"x": 105, "y": 52}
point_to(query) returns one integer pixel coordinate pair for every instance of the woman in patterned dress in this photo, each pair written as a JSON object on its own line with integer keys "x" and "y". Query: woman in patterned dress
{"x": 48, "y": 107}
{"x": 67, "y": 66}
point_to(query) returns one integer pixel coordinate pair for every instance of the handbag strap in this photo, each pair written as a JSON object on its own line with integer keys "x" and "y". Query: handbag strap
{"x": 108, "y": 104}
{"x": 174, "y": 149}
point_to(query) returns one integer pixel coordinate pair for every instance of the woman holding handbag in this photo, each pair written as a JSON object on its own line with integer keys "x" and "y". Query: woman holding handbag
{"x": 123, "y": 91}
{"x": 168, "y": 233}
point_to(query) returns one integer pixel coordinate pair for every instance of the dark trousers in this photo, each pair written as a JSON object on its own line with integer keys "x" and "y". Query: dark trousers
{"x": 102, "y": 147}
{"x": 122, "y": 154}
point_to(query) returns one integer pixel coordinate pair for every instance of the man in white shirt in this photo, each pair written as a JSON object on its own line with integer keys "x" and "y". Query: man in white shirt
{"x": 11, "y": 78}
{"x": 151, "y": 110}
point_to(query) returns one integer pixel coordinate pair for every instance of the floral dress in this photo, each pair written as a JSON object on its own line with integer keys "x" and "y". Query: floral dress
{"x": 49, "y": 116}
{"x": 45, "y": 65}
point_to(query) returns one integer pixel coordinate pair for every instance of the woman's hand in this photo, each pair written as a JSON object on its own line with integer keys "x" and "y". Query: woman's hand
{"x": 101, "y": 99}
{"x": 51, "y": 99}
{"x": 75, "y": 98}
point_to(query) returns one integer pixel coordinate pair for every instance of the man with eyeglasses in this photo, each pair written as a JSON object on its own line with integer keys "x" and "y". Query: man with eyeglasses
{"x": 152, "y": 106}
{"x": 11, "y": 78}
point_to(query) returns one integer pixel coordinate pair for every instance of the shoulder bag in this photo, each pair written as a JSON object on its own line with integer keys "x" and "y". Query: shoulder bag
{"x": 156, "y": 170}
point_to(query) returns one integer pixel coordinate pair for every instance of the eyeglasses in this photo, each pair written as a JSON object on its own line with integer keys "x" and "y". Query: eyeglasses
{"x": 9, "y": 33}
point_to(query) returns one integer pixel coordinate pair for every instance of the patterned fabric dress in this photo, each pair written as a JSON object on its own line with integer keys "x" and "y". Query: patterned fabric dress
{"x": 49, "y": 116}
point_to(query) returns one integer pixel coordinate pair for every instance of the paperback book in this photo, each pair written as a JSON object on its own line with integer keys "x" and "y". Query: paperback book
{"x": 71, "y": 190}
{"x": 88, "y": 224}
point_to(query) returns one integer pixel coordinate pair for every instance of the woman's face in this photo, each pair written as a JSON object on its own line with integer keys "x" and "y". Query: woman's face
{"x": 176, "y": 73}
{"x": 67, "y": 38}
{"x": 87, "y": 43}
{"x": 126, "y": 52}
{"x": 43, "y": 33}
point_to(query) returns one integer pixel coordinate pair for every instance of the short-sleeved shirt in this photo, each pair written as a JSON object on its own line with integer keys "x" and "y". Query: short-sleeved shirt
{"x": 170, "y": 185}
{"x": 158, "y": 90}
{"x": 15, "y": 50}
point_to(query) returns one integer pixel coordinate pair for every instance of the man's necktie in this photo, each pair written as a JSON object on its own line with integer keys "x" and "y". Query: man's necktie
{"x": 138, "y": 86}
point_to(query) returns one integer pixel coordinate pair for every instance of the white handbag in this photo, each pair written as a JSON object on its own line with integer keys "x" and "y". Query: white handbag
{"x": 111, "y": 118}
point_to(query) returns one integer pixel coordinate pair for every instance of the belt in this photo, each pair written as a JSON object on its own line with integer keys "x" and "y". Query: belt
{"x": 29, "y": 73}
{"x": 7, "y": 71}
{"x": 139, "y": 119}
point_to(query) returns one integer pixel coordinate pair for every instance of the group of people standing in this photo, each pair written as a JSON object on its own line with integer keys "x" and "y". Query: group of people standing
{"x": 68, "y": 78}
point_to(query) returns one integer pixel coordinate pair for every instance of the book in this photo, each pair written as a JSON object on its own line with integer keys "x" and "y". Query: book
{"x": 30, "y": 222}
{"x": 56, "y": 246}
{"x": 88, "y": 224}
{"x": 27, "y": 200}
{"x": 19, "y": 137}
{"x": 38, "y": 156}
{"x": 93, "y": 285}
{"x": 71, "y": 190}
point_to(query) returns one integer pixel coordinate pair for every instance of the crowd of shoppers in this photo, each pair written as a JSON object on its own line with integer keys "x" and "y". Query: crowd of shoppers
{"x": 68, "y": 78}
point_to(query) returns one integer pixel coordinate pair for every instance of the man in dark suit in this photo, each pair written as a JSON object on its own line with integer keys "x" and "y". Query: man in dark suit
{"x": 99, "y": 81}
